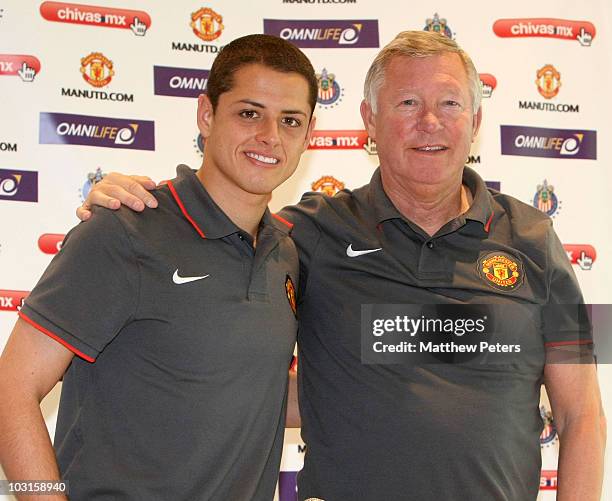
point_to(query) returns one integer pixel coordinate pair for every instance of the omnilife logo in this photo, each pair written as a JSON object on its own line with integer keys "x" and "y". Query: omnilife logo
{"x": 136, "y": 20}
{"x": 62, "y": 128}
{"x": 336, "y": 34}
{"x": 182, "y": 82}
{"x": 581, "y": 31}
{"x": 549, "y": 143}
{"x": 18, "y": 185}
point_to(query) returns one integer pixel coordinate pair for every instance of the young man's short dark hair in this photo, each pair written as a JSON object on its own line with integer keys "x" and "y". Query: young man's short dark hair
{"x": 267, "y": 50}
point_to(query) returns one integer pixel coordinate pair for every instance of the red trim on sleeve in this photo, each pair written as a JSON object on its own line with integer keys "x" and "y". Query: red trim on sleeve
{"x": 183, "y": 210}
{"x": 284, "y": 221}
{"x": 568, "y": 343}
{"x": 53, "y": 336}
{"x": 293, "y": 365}
{"x": 488, "y": 225}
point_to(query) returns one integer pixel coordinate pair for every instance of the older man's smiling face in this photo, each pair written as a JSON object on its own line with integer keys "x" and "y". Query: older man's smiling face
{"x": 424, "y": 122}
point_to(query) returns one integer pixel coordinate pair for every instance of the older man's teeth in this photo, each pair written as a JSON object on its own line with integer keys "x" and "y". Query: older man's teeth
{"x": 431, "y": 148}
{"x": 261, "y": 158}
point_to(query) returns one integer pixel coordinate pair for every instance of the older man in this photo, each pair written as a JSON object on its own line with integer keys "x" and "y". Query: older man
{"x": 426, "y": 230}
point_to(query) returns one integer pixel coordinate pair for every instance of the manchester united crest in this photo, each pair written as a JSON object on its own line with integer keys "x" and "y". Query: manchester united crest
{"x": 328, "y": 185}
{"x": 206, "y": 24}
{"x": 290, "y": 290}
{"x": 548, "y": 80}
{"x": 501, "y": 271}
{"x": 97, "y": 69}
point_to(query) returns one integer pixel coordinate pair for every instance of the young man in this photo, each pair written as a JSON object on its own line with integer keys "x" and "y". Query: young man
{"x": 174, "y": 332}
{"x": 424, "y": 231}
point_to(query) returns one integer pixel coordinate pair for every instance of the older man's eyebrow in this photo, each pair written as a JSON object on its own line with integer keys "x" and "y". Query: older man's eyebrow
{"x": 255, "y": 104}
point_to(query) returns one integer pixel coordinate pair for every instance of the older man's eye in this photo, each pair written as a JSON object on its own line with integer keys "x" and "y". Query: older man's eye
{"x": 409, "y": 102}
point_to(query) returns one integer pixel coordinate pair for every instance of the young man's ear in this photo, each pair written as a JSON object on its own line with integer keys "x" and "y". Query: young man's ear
{"x": 205, "y": 115}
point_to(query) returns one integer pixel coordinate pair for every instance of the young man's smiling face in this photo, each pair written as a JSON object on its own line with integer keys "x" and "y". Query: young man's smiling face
{"x": 255, "y": 137}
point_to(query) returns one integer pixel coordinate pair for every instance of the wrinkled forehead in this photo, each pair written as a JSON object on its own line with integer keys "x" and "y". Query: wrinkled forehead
{"x": 448, "y": 62}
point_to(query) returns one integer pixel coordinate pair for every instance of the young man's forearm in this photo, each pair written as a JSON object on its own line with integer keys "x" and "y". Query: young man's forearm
{"x": 30, "y": 366}
{"x": 26, "y": 453}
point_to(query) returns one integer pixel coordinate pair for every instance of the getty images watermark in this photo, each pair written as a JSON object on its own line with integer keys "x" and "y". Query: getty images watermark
{"x": 505, "y": 334}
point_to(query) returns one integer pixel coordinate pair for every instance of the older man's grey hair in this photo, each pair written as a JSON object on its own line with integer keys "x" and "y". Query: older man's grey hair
{"x": 418, "y": 44}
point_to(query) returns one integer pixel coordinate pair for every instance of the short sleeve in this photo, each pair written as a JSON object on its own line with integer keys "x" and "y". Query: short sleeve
{"x": 90, "y": 289}
{"x": 305, "y": 231}
{"x": 565, "y": 319}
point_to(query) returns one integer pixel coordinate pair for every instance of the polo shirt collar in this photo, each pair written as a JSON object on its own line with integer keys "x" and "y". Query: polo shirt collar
{"x": 481, "y": 209}
{"x": 383, "y": 206}
{"x": 204, "y": 214}
{"x": 198, "y": 207}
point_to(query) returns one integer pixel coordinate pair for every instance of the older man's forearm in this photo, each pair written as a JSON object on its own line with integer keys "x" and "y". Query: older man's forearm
{"x": 581, "y": 457}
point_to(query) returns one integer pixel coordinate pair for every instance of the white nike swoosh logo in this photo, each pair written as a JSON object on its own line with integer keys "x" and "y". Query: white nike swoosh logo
{"x": 185, "y": 280}
{"x": 354, "y": 253}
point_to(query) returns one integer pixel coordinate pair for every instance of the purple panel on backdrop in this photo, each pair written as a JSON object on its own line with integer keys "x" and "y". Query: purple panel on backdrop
{"x": 86, "y": 130}
{"x": 336, "y": 34}
{"x": 18, "y": 185}
{"x": 287, "y": 490}
{"x": 549, "y": 143}
{"x": 181, "y": 82}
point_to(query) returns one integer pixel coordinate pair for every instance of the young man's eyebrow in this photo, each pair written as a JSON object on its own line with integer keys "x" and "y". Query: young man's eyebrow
{"x": 261, "y": 106}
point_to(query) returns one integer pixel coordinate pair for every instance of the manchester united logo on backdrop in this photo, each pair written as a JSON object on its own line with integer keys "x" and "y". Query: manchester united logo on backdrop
{"x": 548, "y": 81}
{"x": 206, "y": 24}
{"x": 290, "y": 290}
{"x": 328, "y": 185}
{"x": 501, "y": 271}
{"x": 97, "y": 69}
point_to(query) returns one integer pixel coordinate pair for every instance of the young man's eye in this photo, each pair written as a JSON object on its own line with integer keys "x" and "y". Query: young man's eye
{"x": 248, "y": 114}
{"x": 292, "y": 122}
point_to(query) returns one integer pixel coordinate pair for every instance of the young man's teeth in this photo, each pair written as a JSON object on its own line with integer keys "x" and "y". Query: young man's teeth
{"x": 261, "y": 158}
{"x": 431, "y": 148}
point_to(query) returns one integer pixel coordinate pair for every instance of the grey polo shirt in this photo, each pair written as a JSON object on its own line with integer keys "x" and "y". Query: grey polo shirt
{"x": 428, "y": 432}
{"x": 184, "y": 334}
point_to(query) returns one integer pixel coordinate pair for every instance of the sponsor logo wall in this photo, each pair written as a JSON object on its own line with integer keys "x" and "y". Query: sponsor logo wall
{"x": 104, "y": 87}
